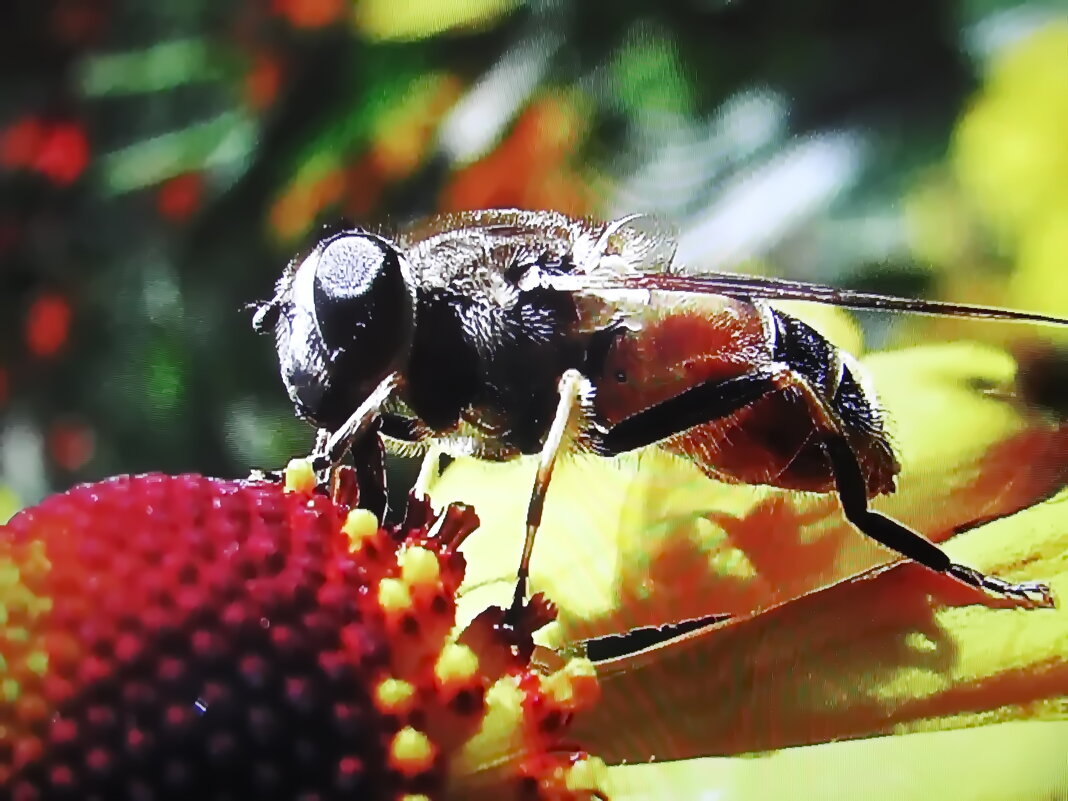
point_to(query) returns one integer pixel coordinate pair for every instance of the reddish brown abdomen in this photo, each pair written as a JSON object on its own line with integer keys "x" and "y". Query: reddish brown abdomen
{"x": 668, "y": 349}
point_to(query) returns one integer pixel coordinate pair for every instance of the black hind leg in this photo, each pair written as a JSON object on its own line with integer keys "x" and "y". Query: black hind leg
{"x": 894, "y": 535}
{"x": 717, "y": 399}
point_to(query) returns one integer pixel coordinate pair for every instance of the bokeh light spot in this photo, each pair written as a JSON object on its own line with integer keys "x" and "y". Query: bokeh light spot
{"x": 21, "y": 142}
{"x": 309, "y": 13}
{"x": 163, "y": 378}
{"x": 263, "y": 81}
{"x": 70, "y": 445}
{"x": 47, "y": 325}
{"x": 180, "y": 196}
{"x": 63, "y": 154}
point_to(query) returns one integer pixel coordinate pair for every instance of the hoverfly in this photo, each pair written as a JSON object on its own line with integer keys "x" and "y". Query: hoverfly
{"x": 505, "y": 332}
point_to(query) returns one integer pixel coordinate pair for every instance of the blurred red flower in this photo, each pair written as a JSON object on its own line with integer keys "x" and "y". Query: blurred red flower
{"x": 47, "y": 325}
{"x": 63, "y": 154}
{"x": 309, "y": 13}
{"x": 263, "y": 81}
{"x": 20, "y": 142}
{"x": 57, "y": 150}
{"x": 180, "y": 196}
{"x": 70, "y": 444}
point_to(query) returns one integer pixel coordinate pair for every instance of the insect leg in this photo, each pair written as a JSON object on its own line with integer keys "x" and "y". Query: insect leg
{"x": 853, "y": 495}
{"x": 322, "y": 436}
{"x": 338, "y": 444}
{"x": 699, "y": 404}
{"x": 706, "y": 402}
{"x": 369, "y": 459}
{"x": 570, "y": 389}
{"x": 429, "y": 471}
{"x": 896, "y": 536}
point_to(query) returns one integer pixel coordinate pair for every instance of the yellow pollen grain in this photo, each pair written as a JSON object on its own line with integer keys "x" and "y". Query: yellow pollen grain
{"x": 410, "y": 797}
{"x": 419, "y": 566}
{"x": 574, "y": 685}
{"x": 505, "y": 698}
{"x": 360, "y": 525}
{"x": 920, "y": 642}
{"x": 558, "y": 688}
{"x": 580, "y": 669}
{"x": 587, "y": 774}
{"x": 9, "y": 689}
{"x": 299, "y": 476}
{"x": 456, "y": 663}
{"x": 38, "y": 605}
{"x": 9, "y": 575}
{"x": 37, "y": 662}
{"x": 393, "y": 595}
{"x": 411, "y": 752}
{"x": 500, "y": 737}
{"x": 35, "y": 564}
{"x": 394, "y": 695}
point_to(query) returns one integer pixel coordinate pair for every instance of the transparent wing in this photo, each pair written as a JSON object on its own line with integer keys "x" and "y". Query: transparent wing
{"x": 747, "y": 287}
{"x": 637, "y": 243}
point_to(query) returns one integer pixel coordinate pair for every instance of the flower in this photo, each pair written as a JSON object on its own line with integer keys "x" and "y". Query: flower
{"x": 383, "y": 20}
{"x": 1007, "y": 147}
{"x": 179, "y": 197}
{"x": 179, "y": 636}
{"x": 993, "y": 220}
{"x": 58, "y": 150}
{"x": 48, "y": 321}
{"x": 825, "y": 641}
{"x": 532, "y": 168}
{"x": 189, "y": 636}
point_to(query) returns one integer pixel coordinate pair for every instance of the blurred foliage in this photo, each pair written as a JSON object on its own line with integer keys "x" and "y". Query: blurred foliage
{"x": 160, "y": 163}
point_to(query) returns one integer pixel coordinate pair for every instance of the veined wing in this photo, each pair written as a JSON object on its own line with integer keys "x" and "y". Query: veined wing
{"x": 747, "y": 287}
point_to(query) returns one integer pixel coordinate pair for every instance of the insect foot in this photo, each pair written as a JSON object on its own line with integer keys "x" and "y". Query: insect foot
{"x": 188, "y": 637}
{"x": 1027, "y": 593}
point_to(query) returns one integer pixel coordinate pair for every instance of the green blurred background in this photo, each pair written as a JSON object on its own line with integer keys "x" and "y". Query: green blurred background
{"x": 161, "y": 162}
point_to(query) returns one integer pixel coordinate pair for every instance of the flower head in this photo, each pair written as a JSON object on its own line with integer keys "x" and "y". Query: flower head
{"x": 189, "y": 637}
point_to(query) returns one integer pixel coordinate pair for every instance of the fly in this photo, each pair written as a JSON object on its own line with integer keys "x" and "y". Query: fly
{"x": 500, "y": 333}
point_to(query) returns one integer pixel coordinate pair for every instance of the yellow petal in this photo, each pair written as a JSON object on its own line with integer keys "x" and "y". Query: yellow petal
{"x": 9, "y": 504}
{"x": 881, "y": 655}
{"x": 1007, "y": 762}
{"x": 650, "y": 540}
{"x": 1038, "y": 281}
{"x": 382, "y": 19}
{"x": 1008, "y": 148}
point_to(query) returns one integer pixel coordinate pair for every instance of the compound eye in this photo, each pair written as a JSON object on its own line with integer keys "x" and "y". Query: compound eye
{"x": 349, "y": 265}
{"x": 363, "y": 306}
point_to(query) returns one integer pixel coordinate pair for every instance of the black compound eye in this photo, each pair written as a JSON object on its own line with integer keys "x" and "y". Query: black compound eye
{"x": 349, "y": 267}
{"x": 363, "y": 305}
{"x": 358, "y": 287}
{"x": 345, "y": 317}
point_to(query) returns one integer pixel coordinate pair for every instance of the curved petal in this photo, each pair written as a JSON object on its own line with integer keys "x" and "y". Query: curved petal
{"x": 648, "y": 539}
{"x": 1007, "y": 762}
{"x": 878, "y": 655}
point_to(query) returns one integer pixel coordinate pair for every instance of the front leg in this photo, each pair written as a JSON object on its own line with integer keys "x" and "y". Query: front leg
{"x": 358, "y": 434}
{"x": 333, "y": 449}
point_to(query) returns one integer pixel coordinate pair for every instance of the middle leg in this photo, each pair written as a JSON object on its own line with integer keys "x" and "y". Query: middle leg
{"x": 570, "y": 389}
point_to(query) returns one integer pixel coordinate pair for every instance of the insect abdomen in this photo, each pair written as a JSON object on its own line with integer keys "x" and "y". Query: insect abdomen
{"x": 833, "y": 375}
{"x": 660, "y": 353}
